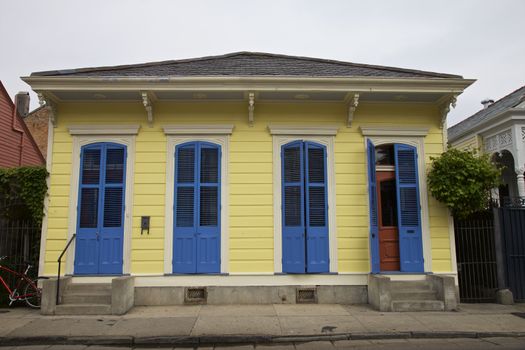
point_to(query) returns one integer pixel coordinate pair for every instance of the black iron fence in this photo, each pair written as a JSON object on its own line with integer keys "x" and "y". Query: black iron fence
{"x": 19, "y": 241}
{"x": 512, "y": 223}
{"x": 476, "y": 258}
{"x": 490, "y": 251}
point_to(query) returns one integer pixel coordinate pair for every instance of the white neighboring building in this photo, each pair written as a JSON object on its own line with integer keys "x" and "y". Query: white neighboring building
{"x": 498, "y": 129}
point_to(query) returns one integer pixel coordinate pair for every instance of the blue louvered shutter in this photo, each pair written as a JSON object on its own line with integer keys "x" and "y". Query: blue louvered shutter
{"x": 317, "y": 249}
{"x": 100, "y": 228}
{"x": 86, "y": 243}
{"x": 185, "y": 225}
{"x": 112, "y": 209}
{"x": 208, "y": 225}
{"x": 409, "y": 218}
{"x": 293, "y": 255}
{"x": 372, "y": 200}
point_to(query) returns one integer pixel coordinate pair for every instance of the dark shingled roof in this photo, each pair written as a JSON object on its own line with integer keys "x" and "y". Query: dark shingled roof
{"x": 248, "y": 64}
{"x": 484, "y": 115}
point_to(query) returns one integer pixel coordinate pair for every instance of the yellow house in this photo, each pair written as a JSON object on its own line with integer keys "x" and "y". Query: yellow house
{"x": 245, "y": 178}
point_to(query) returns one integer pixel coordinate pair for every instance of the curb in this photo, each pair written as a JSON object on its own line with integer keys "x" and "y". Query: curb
{"x": 241, "y": 339}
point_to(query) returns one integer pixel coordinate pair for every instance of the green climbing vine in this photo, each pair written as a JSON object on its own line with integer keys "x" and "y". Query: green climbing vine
{"x": 26, "y": 186}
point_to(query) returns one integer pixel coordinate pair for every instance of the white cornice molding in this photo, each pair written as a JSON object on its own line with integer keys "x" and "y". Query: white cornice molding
{"x": 394, "y": 130}
{"x": 124, "y": 129}
{"x": 324, "y": 130}
{"x": 204, "y": 129}
{"x": 355, "y": 84}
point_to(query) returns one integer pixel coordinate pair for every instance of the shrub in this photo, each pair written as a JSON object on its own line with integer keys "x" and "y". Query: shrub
{"x": 462, "y": 180}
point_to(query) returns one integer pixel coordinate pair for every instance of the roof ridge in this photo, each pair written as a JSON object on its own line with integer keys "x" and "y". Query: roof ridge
{"x": 239, "y": 53}
{"x": 489, "y": 108}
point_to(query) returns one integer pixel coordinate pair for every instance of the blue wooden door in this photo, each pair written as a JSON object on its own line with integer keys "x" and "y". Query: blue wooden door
{"x": 196, "y": 231}
{"x": 408, "y": 204}
{"x": 372, "y": 200}
{"x": 100, "y": 223}
{"x": 304, "y": 208}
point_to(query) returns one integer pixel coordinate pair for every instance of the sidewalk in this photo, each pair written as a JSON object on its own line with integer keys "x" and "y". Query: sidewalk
{"x": 205, "y": 324}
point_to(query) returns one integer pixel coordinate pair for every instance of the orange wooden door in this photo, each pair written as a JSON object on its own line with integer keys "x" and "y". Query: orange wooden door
{"x": 387, "y": 215}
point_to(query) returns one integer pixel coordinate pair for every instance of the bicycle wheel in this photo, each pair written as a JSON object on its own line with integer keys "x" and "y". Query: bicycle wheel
{"x": 33, "y": 294}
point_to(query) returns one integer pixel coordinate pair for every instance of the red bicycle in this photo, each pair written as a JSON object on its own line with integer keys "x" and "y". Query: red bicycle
{"x": 32, "y": 294}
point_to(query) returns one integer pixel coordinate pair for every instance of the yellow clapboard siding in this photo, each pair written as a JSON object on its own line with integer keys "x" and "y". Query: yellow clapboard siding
{"x": 262, "y": 199}
{"x": 155, "y": 158}
{"x": 251, "y": 232}
{"x": 350, "y": 179}
{"x": 250, "y": 188}
{"x": 262, "y": 157}
{"x": 147, "y": 255}
{"x": 148, "y": 243}
{"x": 251, "y": 266}
{"x": 56, "y": 179}
{"x": 440, "y": 254}
{"x": 147, "y": 267}
{"x": 60, "y": 190}
{"x": 359, "y": 210}
{"x": 352, "y": 243}
{"x": 251, "y": 210}
{"x": 251, "y": 254}
{"x": 251, "y": 168}
{"x": 149, "y": 199}
{"x": 250, "y": 243}
{"x": 253, "y": 189}
{"x": 441, "y": 266}
{"x": 354, "y": 265}
{"x": 149, "y": 168}
{"x": 251, "y": 221}
{"x": 352, "y": 232}
{"x": 156, "y": 178}
{"x": 251, "y": 178}
{"x": 148, "y": 189}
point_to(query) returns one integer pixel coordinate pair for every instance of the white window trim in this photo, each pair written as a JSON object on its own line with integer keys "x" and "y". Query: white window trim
{"x": 418, "y": 142}
{"x": 80, "y": 140}
{"x": 173, "y": 140}
{"x": 132, "y": 129}
{"x": 278, "y": 142}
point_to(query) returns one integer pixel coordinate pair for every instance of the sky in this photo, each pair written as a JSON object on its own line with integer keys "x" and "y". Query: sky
{"x": 481, "y": 40}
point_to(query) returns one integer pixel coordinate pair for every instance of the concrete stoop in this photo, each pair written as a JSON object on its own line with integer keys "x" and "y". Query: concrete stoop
{"x": 85, "y": 299}
{"x": 434, "y": 293}
{"x": 114, "y": 298}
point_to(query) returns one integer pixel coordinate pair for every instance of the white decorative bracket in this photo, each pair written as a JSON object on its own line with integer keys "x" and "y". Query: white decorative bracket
{"x": 45, "y": 101}
{"x": 445, "y": 108}
{"x": 148, "y": 105}
{"x": 251, "y": 107}
{"x": 351, "y": 109}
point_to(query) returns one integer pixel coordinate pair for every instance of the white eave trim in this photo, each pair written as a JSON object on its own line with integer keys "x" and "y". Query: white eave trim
{"x": 154, "y": 83}
{"x": 394, "y": 130}
{"x": 325, "y": 130}
{"x": 132, "y": 129}
{"x": 204, "y": 129}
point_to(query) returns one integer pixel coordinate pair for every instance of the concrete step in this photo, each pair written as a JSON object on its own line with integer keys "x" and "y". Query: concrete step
{"x": 88, "y": 287}
{"x": 86, "y": 298}
{"x": 414, "y": 295}
{"x": 417, "y": 305}
{"x": 403, "y": 286}
{"x": 83, "y": 309}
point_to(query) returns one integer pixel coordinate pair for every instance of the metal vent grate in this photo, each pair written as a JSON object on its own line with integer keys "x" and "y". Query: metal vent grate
{"x": 306, "y": 295}
{"x": 196, "y": 295}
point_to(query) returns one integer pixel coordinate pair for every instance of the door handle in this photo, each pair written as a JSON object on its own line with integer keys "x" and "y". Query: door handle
{"x": 373, "y": 235}
{"x": 98, "y": 236}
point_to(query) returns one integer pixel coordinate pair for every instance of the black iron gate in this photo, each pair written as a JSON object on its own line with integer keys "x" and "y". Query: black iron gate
{"x": 476, "y": 258}
{"x": 513, "y": 236}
